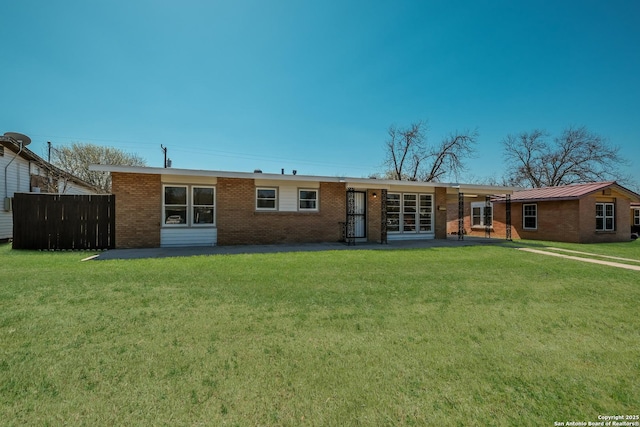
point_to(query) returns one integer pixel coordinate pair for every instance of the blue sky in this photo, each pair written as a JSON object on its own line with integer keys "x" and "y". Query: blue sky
{"x": 313, "y": 86}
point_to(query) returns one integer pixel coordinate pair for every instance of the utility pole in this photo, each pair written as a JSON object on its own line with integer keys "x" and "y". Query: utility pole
{"x": 165, "y": 154}
{"x": 49, "y": 156}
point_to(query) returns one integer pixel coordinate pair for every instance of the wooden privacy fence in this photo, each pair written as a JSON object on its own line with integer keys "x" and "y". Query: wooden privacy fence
{"x": 63, "y": 221}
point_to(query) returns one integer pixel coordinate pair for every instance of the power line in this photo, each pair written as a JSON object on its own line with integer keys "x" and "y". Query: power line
{"x": 219, "y": 153}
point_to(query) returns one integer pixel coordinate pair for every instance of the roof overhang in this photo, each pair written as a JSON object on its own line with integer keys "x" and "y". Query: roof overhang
{"x": 452, "y": 188}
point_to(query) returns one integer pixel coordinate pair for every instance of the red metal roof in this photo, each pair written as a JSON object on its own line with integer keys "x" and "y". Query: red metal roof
{"x": 567, "y": 192}
{"x": 564, "y": 192}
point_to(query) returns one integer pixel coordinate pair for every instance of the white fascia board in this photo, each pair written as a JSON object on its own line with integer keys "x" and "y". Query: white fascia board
{"x": 452, "y": 188}
{"x": 218, "y": 174}
{"x": 360, "y": 183}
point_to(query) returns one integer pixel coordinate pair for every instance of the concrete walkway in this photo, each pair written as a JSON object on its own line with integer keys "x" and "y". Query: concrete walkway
{"x": 307, "y": 247}
{"x": 548, "y": 251}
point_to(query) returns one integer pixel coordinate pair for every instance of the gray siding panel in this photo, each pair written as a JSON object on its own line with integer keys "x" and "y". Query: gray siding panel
{"x": 185, "y": 237}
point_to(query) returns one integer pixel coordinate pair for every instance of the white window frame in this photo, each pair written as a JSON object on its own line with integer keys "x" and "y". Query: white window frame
{"x": 391, "y": 216}
{"x": 425, "y": 211}
{"x": 636, "y": 217}
{"x": 193, "y": 206}
{"x": 525, "y": 216}
{"x": 418, "y": 214}
{"x": 275, "y": 198}
{"x": 482, "y": 206}
{"x": 605, "y": 216}
{"x": 165, "y": 206}
{"x": 315, "y": 200}
{"x": 189, "y": 220}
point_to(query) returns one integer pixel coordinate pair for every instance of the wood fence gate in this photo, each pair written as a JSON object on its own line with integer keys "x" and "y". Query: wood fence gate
{"x": 63, "y": 221}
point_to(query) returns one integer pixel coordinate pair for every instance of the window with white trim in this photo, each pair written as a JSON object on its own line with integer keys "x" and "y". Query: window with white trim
{"x": 308, "y": 200}
{"x": 203, "y": 204}
{"x": 393, "y": 212}
{"x": 175, "y": 205}
{"x": 409, "y": 208}
{"x": 636, "y": 217}
{"x": 185, "y": 205}
{"x": 605, "y": 217}
{"x": 409, "y": 213}
{"x": 481, "y": 214}
{"x": 530, "y": 217}
{"x": 425, "y": 214}
{"x": 266, "y": 199}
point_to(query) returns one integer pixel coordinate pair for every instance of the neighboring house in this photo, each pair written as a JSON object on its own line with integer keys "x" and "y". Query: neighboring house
{"x": 580, "y": 213}
{"x": 158, "y": 207}
{"x": 22, "y": 171}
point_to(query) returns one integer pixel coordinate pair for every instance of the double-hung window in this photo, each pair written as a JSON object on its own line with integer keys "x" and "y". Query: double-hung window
{"x": 188, "y": 205}
{"x": 636, "y": 217}
{"x": 481, "y": 214}
{"x": 605, "y": 217}
{"x": 266, "y": 199}
{"x": 530, "y": 217}
{"x": 175, "y": 204}
{"x": 308, "y": 200}
{"x": 203, "y": 205}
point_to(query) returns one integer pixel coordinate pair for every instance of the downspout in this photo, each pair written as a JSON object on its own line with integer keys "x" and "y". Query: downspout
{"x": 7, "y": 206}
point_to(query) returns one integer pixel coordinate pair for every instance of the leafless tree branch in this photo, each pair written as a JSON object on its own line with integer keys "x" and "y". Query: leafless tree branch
{"x": 576, "y": 155}
{"x": 409, "y": 157}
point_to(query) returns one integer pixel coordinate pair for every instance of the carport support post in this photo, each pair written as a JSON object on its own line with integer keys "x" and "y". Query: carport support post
{"x": 350, "y": 235}
{"x": 488, "y": 213}
{"x": 460, "y": 216}
{"x": 508, "y": 217}
{"x": 383, "y": 216}
{"x": 441, "y": 213}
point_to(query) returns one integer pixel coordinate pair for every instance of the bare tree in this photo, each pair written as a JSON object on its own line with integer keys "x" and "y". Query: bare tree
{"x": 77, "y": 157}
{"x": 448, "y": 157}
{"x": 405, "y": 151}
{"x": 409, "y": 157}
{"x": 577, "y": 155}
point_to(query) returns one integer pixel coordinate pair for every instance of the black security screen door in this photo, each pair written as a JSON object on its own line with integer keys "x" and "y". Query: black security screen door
{"x": 356, "y": 215}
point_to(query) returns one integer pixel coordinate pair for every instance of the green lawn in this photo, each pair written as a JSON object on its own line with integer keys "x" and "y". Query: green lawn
{"x": 443, "y": 336}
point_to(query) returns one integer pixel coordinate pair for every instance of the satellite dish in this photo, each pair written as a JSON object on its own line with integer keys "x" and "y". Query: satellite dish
{"x": 18, "y": 137}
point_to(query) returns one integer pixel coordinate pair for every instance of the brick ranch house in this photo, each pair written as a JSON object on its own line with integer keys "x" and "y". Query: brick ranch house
{"x": 580, "y": 213}
{"x": 164, "y": 207}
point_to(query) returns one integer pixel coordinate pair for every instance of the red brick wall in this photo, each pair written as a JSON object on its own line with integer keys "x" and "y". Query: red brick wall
{"x": 557, "y": 221}
{"x": 440, "y": 215}
{"x": 374, "y": 217}
{"x": 571, "y": 221}
{"x": 588, "y": 220}
{"x": 138, "y": 209}
{"x": 240, "y": 224}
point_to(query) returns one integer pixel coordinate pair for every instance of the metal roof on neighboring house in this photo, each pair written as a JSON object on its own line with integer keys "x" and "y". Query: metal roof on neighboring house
{"x": 569, "y": 192}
